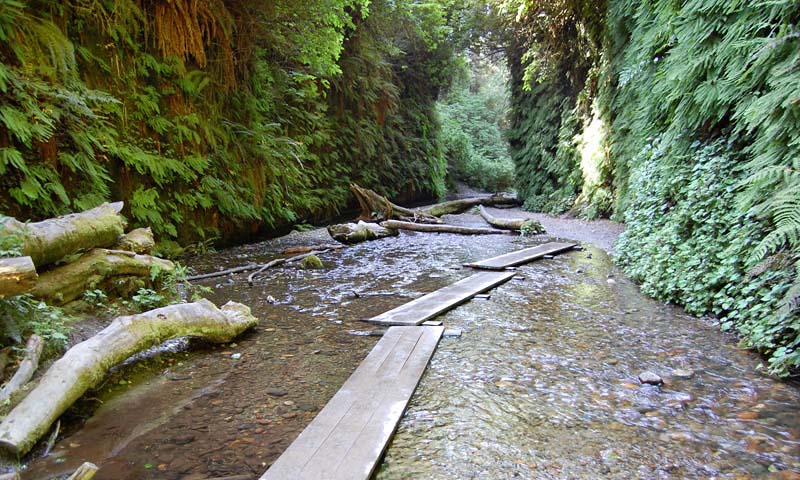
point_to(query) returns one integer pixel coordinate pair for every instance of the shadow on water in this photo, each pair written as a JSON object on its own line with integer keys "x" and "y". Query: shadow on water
{"x": 541, "y": 385}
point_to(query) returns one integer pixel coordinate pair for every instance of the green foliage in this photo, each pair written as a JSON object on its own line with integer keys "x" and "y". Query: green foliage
{"x": 223, "y": 119}
{"x": 543, "y": 146}
{"x": 723, "y": 75}
{"x": 147, "y": 299}
{"x": 699, "y": 100}
{"x": 474, "y": 123}
{"x": 531, "y": 227}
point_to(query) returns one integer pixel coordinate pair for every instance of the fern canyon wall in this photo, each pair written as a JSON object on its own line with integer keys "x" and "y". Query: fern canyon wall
{"x": 218, "y": 119}
{"x": 681, "y": 119}
{"x": 226, "y": 120}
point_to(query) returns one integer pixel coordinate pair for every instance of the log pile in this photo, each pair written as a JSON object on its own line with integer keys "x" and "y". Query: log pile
{"x": 73, "y": 254}
{"x": 380, "y": 218}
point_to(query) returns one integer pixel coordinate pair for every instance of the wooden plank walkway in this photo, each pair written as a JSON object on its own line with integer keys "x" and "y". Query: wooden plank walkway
{"x": 521, "y": 256}
{"x": 435, "y": 303}
{"x": 347, "y": 438}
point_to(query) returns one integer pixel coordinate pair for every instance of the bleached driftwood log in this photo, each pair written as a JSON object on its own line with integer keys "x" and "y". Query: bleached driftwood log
{"x": 86, "y": 471}
{"x": 139, "y": 240}
{"x": 375, "y": 207}
{"x": 441, "y": 228}
{"x": 95, "y": 269}
{"x": 51, "y": 240}
{"x": 26, "y": 369}
{"x": 17, "y": 276}
{"x": 359, "y": 232}
{"x": 85, "y": 364}
{"x": 517, "y": 224}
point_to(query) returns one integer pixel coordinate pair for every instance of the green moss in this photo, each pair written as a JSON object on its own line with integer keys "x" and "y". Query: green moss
{"x": 311, "y": 262}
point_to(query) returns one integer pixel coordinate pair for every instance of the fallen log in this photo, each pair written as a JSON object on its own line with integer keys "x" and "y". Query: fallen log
{"x": 86, "y": 471}
{"x": 51, "y": 240}
{"x": 17, "y": 276}
{"x": 375, "y": 207}
{"x": 85, "y": 364}
{"x": 528, "y": 225}
{"x": 140, "y": 240}
{"x": 96, "y": 269}
{"x": 26, "y": 369}
{"x": 293, "y": 250}
{"x": 441, "y": 228}
{"x": 359, "y": 232}
{"x": 459, "y": 206}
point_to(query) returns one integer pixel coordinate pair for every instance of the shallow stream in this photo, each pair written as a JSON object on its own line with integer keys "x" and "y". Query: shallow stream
{"x": 541, "y": 384}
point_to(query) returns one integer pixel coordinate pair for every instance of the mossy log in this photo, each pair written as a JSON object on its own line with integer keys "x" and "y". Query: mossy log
{"x": 376, "y": 208}
{"x": 85, "y": 364}
{"x": 359, "y": 232}
{"x": 17, "y": 276}
{"x": 51, "y": 240}
{"x": 26, "y": 369}
{"x": 441, "y": 228}
{"x": 517, "y": 224}
{"x": 140, "y": 240}
{"x": 97, "y": 268}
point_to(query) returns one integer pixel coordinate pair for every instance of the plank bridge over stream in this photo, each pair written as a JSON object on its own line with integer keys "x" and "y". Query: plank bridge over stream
{"x": 346, "y": 440}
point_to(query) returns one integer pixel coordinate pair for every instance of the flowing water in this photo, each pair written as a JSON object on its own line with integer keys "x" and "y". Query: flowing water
{"x": 542, "y": 383}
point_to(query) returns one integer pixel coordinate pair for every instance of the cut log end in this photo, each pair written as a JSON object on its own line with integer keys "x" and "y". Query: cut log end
{"x": 17, "y": 276}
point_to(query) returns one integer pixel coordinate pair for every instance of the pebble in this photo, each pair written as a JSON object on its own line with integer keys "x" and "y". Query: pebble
{"x": 276, "y": 392}
{"x": 682, "y": 373}
{"x": 183, "y": 439}
{"x": 650, "y": 378}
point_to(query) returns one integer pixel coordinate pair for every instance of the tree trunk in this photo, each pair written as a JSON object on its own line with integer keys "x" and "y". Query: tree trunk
{"x": 441, "y": 228}
{"x": 85, "y": 364}
{"x": 375, "y": 207}
{"x": 459, "y": 206}
{"x": 96, "y": 269}
{"x": 359, "y": 232}
{"x": 139, "y": 240}
{"x": 29, "y": 364}
{"x": 519, "y": 224}
{"x": 17, "y": 276}
{"x": 51, "y": 240}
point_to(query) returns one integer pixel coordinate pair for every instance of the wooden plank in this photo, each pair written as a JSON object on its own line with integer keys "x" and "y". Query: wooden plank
{"x": 521, "y": 256}
{"x": 435, "y": 303}
{"x": 348, "y": 437}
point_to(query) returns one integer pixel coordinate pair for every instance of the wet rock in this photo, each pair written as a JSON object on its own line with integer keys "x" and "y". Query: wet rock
{"x": 181, "y": 464}
{"x": 310, "y": 262}
{"x": 682, "y": 373}
{"x": 277, "y": 392}
{"x": 183, "y": 439}
{"x": 650, "y": 378}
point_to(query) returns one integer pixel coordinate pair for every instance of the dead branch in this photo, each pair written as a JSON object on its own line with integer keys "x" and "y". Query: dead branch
{"x": 29, "y": 364}
{"x": 441, "y": 228}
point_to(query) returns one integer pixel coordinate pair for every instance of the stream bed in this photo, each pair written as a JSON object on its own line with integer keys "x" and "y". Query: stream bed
{"x": 542, "y": 384}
